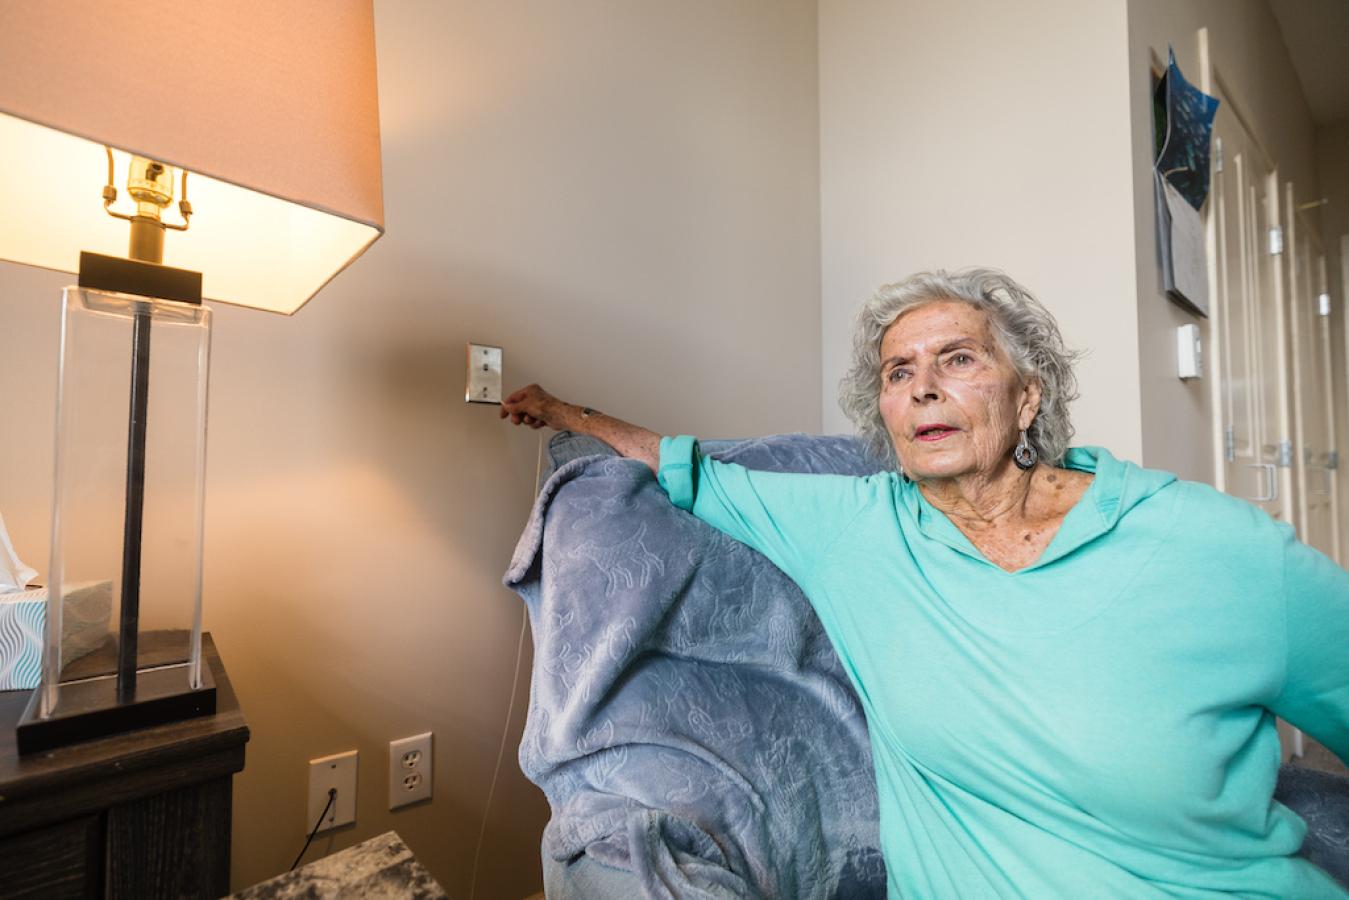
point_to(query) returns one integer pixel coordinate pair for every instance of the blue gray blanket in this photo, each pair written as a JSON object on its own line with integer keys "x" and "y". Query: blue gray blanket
{"x": 688, "y": 719}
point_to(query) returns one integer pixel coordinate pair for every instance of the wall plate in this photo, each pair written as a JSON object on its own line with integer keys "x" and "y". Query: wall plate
{"x": 336, "y": 771}
{"x": 482, "y": 382}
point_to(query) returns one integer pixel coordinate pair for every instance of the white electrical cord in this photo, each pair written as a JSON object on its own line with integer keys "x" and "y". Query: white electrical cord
{"x": 510, "y": 708}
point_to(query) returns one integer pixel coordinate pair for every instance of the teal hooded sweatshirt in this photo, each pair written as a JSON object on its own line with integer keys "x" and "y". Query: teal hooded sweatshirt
{"x": 1098, "y": 724}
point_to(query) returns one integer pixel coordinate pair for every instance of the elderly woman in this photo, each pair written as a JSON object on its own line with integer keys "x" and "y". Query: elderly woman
{"x": 1070, "y": 665}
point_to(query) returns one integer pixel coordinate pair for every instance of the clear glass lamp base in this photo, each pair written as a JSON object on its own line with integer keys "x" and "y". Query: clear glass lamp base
{"x": 122, "y": 645}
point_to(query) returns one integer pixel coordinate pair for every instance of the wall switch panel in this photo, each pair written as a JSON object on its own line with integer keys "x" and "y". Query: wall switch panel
{"x": 409, "y": 770}
{"x": 483, "y": 381}
{"x": 336, "y": 771}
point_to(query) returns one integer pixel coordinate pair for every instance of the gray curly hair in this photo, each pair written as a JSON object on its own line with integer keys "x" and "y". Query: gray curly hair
{"x": 1023, "y": 328}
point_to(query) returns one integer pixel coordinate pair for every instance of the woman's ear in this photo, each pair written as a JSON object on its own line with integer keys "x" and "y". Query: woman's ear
{"x": 1030, "y": 404}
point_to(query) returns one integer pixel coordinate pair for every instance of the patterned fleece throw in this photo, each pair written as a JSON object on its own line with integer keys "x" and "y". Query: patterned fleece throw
{"x": 688, "y": 719}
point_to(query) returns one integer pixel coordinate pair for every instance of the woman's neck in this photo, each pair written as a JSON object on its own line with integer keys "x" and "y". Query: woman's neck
{"x": 1010, "y": 517}
{"x": 984, "y": 500}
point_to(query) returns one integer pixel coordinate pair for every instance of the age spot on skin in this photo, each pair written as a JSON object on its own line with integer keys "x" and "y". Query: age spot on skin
{"x": 1053, "y": 478}
{"x": 1026, "y": 538}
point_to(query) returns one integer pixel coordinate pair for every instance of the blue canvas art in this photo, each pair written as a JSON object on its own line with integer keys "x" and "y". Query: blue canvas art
{"x": 1184, "y": 133}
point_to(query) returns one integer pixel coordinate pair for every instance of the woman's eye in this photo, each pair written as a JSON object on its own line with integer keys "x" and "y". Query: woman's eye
{"x": 897, "y": 374}
{"x": 962, "y": 359}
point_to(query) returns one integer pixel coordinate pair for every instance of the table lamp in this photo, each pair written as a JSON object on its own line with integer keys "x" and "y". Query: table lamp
{"x": 110, "y": 114}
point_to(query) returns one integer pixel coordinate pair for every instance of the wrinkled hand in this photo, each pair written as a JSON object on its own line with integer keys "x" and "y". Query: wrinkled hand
{"x": 535, "y": 407}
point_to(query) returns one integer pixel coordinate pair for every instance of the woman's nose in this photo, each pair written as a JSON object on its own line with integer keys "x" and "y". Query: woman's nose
{"x": 925, "y": 385}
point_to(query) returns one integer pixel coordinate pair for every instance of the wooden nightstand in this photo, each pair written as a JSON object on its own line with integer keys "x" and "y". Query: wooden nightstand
{"x": 140, "y": 815}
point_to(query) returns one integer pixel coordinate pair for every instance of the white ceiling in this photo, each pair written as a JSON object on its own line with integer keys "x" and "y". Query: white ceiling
{"x": 1317, "y": 35}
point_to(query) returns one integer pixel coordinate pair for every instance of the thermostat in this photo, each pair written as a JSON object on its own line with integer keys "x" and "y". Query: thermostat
{"x": 1189, "y": 353}
{"x": 483, "y": 379}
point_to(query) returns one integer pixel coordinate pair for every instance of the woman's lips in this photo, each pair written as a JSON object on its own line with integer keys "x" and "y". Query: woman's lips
{"x": 936, "y": 434}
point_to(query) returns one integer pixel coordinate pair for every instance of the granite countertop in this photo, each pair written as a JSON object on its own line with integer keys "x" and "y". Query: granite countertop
{"x": 382, "y": 868}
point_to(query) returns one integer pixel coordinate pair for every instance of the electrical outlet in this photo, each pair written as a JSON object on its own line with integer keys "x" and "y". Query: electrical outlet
{"x": 336, "y": 771}
{"x": 409, "y": 770}
{"x": 482, "y": 382}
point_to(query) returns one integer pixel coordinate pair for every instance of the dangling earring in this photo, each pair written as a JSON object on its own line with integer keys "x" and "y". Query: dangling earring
{"x": 899, "y": 470}
{"x": 1024, "y": 455}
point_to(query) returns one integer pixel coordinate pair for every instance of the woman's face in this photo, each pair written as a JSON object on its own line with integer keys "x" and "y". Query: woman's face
{"x": 951, "y": 400}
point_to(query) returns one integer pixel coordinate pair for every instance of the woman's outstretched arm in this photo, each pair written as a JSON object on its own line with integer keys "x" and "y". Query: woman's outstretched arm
{"x": 789, "y": 517}
{"x": 535, "y": 407}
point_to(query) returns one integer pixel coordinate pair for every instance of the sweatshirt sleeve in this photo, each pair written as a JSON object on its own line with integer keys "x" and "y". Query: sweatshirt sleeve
{"x": 791, "y": 518}
{"x": 1315, "y": 695}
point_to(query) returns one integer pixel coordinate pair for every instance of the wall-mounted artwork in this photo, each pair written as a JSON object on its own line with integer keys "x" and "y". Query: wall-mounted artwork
{"x": 1183, "y": 132}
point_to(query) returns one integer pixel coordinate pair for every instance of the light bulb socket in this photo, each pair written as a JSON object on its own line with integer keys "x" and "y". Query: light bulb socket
{"x": 147, "y": 239}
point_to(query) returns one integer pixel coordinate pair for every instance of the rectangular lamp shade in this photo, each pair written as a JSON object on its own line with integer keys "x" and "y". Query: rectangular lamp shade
{"x": 270, "y": 106}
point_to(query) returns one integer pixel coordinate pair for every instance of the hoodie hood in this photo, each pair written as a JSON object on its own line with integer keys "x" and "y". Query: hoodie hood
{"x": 1119, "y": 485}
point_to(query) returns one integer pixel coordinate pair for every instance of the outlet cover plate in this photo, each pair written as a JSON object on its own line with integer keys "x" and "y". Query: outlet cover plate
{"x": 409, "y": 770}
{"x": 336, "y": 771}
{"x": 483, "y": 379}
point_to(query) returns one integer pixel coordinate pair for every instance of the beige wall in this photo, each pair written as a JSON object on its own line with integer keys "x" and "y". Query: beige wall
{"x": 1332, "y": 164}
{"x": 1249, "y": 54}
{"x": 975, "y": 132}
{"x": 624, "y": 196}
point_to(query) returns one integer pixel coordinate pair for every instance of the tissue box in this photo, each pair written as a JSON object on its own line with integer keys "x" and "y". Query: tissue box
{"x": 23, "y": 618}
{"x": 23, "y": 615}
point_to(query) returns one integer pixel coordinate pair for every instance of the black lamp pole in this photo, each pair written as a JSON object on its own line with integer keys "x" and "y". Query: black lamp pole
{"x": 129, "y": 629}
